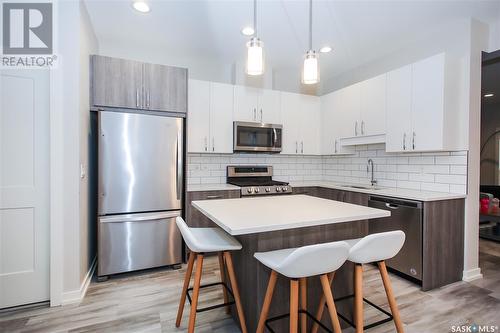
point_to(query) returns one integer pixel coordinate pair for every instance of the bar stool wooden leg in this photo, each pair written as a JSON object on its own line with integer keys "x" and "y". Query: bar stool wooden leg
{"x": 303, "y": 304}
{"x": 196, "y": 292}
{"x": 321, "y": 307}
{"x": 267, "y": 302}
{"x": 294, "y": 305}
{"x": 223, "y": 280}
{"x": 327, "y": 291}
{"x": 358, "y": 297}
{"x": 236, "y": 292}
{"x": 187, "y": 278}
{"x": 390, "y": 296}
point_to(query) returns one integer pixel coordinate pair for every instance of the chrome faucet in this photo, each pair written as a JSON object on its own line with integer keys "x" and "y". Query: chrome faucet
{"x": 370, "y": 162}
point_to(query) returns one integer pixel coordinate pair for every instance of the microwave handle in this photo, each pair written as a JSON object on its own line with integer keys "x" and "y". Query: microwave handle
{"x": 275, "y": 137}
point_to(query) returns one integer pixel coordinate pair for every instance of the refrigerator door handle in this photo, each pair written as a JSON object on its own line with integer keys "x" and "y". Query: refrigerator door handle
{"x": 138, "y": 217}
{"x": 179, "y": 165}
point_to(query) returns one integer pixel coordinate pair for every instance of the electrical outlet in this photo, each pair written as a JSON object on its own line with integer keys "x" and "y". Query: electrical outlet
{"x": 82, "y": 171}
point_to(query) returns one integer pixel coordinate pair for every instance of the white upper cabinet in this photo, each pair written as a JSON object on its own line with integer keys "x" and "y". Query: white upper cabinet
{"x": 301, "y": 124}
{"x": 428, "y": 103}
{"x": 350, "y": 110}
{"x": 418, "y": 118}
{"x": 269, "y": 111}
{"x": 221, "y": 116}
{"x": 210, "y": 117}
{"x": 373, "y": 106}
{"x": 398, "y": 118}
{"x": 246, "y": 103}
{"x": 198, "y": 117}
{"x": 333, "y": 124}
{"x": 290, "y": 111}
{"x": 257, "y": 105}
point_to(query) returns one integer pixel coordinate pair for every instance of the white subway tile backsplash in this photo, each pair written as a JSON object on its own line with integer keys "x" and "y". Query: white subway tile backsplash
{"x": 441, "y": 171}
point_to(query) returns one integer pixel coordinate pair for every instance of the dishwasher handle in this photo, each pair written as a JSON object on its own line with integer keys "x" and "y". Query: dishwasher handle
{"x": 391, "y": 206}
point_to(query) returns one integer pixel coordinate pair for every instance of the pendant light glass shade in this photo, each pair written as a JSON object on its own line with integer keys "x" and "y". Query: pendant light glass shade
{"x": 310, "y": 72}
{"x": 255, "y": 57}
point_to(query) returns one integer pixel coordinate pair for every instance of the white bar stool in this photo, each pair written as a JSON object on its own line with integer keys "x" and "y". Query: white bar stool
{"x": 370, "y": 249}
{"x": 298, "y": 264}
{"x": 200, "y": 241}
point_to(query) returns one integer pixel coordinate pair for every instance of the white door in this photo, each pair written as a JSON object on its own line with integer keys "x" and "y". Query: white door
{"x": 270, "y": 107}
{"x": 24, "y": 187}
{"x": 246, "y": 103}
{"x": 398, "y": 117}
{"x": 290, "y": 110}
{"x": 328, "y": 135}
{"x": 428, "y": 103}
{"x": 221, "y": 117}
{"x": 198, "y": 120}
{"x": 373, "y": 105}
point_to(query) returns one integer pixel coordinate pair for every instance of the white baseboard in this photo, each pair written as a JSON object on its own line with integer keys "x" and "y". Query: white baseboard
{"x": 472, "y": 274}
{"x": 76, "y": 296}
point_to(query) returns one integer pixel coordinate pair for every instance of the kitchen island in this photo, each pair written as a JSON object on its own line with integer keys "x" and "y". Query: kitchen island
{"x": 276, "y": 222}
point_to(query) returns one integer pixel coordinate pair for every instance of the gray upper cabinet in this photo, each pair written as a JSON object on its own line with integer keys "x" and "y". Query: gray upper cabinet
{"x": 116, "y": 82}
{"x": 130, "y": 84}
{"x": 166, "y": 88}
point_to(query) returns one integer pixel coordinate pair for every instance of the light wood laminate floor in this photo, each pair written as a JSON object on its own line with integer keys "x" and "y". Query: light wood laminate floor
{"x": 147, "y": 302}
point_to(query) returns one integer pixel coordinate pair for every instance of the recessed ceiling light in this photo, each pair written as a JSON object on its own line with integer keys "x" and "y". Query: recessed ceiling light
{"x": 325, "y": 49}
{"x": 141, "y": 6}
{"x": 247, "y": 31}
{"x": 489, "y": 95}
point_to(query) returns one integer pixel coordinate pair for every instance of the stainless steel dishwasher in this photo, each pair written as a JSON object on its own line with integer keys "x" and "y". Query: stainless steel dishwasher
{"x": 406, "y": 215}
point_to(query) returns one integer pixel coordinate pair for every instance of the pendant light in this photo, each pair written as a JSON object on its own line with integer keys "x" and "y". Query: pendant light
{"x": 255, "y": 50}
{"x": 310, "y": 71}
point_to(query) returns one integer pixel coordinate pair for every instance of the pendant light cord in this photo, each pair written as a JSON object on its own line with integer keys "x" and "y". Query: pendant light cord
{"x": 310, "y": 24}
{"x": 255, "y": 18}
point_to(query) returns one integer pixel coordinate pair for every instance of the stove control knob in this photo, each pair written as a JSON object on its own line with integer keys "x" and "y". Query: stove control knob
{"x": 250, "y": 190}
{"x": 268, "y": 189}
{"x": 284, "y": 189}
{"x": 257, "y": 190}
{"x": 278, "y": 189}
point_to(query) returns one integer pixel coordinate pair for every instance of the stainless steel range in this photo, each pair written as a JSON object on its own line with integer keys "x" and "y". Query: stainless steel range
{"x": 256, "y": 180}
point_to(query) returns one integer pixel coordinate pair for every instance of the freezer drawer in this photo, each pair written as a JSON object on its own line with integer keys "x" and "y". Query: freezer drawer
{"x": 405, "y": 216}
{"x": 138, "y": 241}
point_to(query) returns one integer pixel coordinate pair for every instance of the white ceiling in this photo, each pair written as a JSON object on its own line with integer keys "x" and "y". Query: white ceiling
{"x": 358, "y": 31}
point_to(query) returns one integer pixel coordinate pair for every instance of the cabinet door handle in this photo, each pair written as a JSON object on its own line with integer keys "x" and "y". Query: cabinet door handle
{"x": 336, "y": 141}
{"x": 137, "y": 98}
{"x": 296, "y": 147}
{"x": 356, "y": 128}
{"x": 362, "y": 127}
{"x": 148, "y": 99}
{"x": 206, "y": 144}
{"x": 404, "y": 141}
{"x": 302, "y": 147}
{"x": 260, "y": 115}
{"x": 213, "y": 144}
{"x": 413, "y": 141}
{"x": 214, "y": 196}
{"x": 254, "y": 114}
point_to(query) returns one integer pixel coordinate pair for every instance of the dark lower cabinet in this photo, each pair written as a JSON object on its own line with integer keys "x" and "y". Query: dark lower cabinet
{"x": 442, "y": 234}
{"x": 194, "y": 218}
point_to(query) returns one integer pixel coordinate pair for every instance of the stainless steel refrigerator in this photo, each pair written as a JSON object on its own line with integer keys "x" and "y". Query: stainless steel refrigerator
{"x": 140, "y": 188}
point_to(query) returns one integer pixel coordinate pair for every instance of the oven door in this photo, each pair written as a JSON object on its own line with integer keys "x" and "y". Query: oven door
{"x": 255, "y": 137}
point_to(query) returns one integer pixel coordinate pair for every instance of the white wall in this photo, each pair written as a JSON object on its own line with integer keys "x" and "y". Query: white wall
{"x": 494, "y": 38}
{"x": 71, "y": 252}
{"x": 88, "y": 45}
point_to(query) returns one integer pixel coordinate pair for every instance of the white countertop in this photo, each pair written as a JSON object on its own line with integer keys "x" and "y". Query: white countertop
{"x": 211, "y": 187}
{"x": 270, "y": 213}
{"x": 387, "y": 191}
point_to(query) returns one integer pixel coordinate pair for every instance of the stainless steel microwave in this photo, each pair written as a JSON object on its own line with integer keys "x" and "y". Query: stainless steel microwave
{"x": 257, "y": 137}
